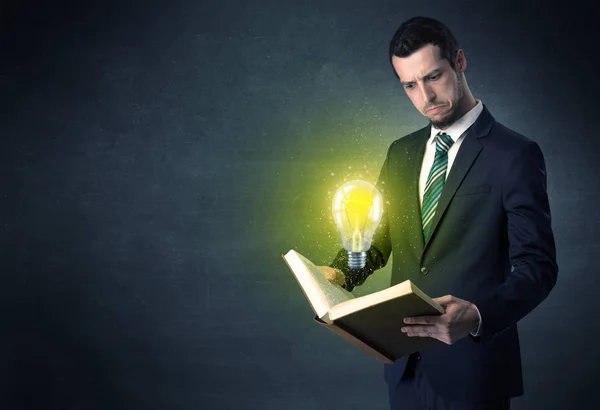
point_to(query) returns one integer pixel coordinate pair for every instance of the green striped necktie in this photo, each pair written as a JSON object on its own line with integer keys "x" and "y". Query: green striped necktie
{"x": 435, "y": 181}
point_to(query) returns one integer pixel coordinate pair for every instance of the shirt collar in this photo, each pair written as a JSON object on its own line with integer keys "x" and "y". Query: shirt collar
{"x": 460, "y": 126}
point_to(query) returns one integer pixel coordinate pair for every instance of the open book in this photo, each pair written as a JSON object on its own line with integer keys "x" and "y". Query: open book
{"x": 370, "y": 322}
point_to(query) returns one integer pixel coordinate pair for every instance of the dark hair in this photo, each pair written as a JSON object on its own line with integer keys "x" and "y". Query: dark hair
{"x": 419, "y": 31}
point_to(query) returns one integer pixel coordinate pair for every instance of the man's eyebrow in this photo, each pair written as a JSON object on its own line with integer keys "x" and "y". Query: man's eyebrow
{"x": 429, "y": 74}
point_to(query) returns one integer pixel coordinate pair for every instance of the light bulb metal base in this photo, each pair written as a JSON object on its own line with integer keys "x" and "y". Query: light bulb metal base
{"x": 357, "y": 260}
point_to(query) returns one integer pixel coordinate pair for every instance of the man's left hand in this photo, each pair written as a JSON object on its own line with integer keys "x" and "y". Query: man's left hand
{"x": 460, "y": 318}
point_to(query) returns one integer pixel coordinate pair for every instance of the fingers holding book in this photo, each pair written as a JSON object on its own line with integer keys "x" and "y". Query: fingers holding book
{"x": 461, "y": 317}
{"x": 333, "y": 275}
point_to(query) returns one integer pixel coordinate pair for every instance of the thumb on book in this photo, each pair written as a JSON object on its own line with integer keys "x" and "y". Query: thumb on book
{"x": 444, "y": 300}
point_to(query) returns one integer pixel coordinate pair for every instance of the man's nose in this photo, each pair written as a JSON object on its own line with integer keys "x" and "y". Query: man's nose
{"x": 427, "y": 93}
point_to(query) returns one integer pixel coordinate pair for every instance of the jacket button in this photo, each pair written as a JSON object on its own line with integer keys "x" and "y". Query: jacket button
{"x": 424, "y": 270}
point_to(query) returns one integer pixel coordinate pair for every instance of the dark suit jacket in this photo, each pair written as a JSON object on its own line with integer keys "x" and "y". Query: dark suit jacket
{"x": 492, "y": 244}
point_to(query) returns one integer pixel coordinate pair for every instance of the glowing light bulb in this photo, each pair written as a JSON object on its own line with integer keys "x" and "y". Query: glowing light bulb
{"x": 357, "y": 209}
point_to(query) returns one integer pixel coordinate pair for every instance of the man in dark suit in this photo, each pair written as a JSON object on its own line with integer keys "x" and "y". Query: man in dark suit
{"x": 467, "y": 217}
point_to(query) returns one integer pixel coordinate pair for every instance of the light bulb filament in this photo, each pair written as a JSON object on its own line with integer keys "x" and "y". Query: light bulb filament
{"x": 357, "y": 208}
{"x": 356, "y": 240}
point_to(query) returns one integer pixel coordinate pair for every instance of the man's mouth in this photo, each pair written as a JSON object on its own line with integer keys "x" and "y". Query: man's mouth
{"x": 434, "y": 109}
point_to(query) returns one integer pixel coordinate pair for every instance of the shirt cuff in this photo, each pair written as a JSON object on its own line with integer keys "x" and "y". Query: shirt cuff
{"x": 477, "y": 331}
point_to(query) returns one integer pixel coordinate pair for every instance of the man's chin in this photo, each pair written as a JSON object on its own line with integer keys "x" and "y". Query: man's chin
{"x": 443, "y": 121}
{"x": 440, "y": 122}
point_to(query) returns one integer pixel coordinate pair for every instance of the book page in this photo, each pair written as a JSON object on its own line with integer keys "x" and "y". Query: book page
{"x": 333, "y": 293}
{"x": 321, "y": 293}
{"x": 372, "y": 299}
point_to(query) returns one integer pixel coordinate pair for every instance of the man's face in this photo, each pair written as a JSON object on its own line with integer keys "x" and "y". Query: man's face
{"x": 431, "y": 84}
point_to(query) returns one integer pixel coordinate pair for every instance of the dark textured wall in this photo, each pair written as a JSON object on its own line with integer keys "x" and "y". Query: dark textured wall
{"x": 157, "y": 158}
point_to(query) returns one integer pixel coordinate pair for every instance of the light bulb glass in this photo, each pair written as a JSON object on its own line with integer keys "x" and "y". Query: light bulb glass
{"x": 357, "y": 210}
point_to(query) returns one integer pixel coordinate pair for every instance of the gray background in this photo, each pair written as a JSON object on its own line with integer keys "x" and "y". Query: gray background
{"x": 157, "y": 158}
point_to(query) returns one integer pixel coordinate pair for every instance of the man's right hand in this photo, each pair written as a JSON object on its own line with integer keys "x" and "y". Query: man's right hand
{"x": 333, "y": 274}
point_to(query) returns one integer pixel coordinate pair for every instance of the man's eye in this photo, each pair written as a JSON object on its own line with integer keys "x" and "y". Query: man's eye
{"x": 408, "y": 86}
{"x": 434, "y": 77}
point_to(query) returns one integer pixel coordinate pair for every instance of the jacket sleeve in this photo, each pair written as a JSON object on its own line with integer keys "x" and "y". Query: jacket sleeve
{"x": 381, "y": 247}
{"x": 531, "y": 246}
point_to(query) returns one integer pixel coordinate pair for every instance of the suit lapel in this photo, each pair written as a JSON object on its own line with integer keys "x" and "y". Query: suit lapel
{"x": 417, "y": 150}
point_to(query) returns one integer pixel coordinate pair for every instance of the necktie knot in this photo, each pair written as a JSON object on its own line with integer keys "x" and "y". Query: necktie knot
{"x": 443, "y": 141}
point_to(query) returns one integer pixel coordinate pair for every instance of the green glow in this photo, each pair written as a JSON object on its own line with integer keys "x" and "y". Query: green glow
{"x": 304, "y": 185}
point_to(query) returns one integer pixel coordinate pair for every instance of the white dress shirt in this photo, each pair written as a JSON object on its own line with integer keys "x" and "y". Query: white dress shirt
{"x": 457, "y": 132}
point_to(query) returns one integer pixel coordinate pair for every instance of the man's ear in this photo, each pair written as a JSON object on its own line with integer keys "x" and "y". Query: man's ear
{"x": 461, "y": 61}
